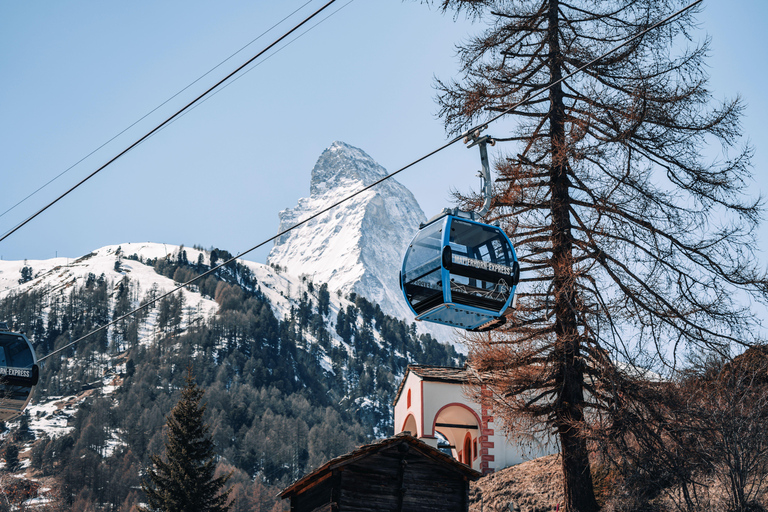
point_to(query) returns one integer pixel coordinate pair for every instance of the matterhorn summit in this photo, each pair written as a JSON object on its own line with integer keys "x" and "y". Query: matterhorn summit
{"x": 357, "y": 246}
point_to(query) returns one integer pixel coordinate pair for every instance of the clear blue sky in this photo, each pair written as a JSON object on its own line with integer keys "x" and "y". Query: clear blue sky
{"x": 76, "y": 73}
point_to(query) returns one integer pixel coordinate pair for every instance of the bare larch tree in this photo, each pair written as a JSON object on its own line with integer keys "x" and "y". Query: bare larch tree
{"x": 625, "y": 191}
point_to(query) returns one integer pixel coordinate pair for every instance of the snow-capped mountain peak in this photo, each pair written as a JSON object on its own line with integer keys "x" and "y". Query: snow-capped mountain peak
{"x": 342, "y": 164}
{"x": 358, "y": 246}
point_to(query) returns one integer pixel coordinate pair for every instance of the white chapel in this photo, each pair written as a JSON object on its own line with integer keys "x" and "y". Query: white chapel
{"x": 432, "y": 403}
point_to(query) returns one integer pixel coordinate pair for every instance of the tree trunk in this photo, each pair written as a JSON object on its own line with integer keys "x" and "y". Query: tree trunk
{"x": 579, "y": 492}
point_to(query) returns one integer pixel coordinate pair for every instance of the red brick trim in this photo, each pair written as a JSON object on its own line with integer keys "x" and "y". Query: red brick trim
{"x": 486, "y": 411}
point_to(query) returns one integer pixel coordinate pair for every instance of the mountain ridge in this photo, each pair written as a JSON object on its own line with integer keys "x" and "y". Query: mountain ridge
{"x": 296, "y": 351}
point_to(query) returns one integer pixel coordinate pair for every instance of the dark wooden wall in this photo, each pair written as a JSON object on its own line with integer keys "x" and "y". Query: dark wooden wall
{"x": 322, "y": 497}
{"x": 395, "y": 479}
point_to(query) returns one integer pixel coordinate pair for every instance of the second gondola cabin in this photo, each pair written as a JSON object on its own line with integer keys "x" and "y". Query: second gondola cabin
{"x": 460, "y": 272}
{"x": 18, "y": 372}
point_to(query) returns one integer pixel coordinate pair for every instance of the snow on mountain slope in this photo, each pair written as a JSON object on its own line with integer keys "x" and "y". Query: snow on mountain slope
{"x": 357, "y": 246}
{"x": 55, "y": 280}
{"x": 57, "y": 275}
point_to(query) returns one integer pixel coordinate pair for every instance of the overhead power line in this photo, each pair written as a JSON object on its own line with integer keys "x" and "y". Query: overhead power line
{"x": 377, "y": 182}
{"x": 168, "y": 120}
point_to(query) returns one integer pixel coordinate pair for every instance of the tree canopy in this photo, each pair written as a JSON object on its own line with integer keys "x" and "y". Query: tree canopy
{"x": 627, "y": 197}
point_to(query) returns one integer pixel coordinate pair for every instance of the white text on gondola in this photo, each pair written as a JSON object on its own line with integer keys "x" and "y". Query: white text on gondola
{"x": 485, "y": 265}
{"x": 15, "y": 372}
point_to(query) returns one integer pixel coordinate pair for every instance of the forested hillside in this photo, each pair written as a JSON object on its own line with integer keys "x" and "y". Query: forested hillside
{"x": 283, "y": 394}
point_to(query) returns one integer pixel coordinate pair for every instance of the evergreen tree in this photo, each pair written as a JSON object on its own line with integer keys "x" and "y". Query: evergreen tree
{"x": 185, "y": 481}
{"x": 23, "y": 432}
{"x": 26, "y": 273}
{"x": 11, "y": 457}
{"x": 323, "y": 300}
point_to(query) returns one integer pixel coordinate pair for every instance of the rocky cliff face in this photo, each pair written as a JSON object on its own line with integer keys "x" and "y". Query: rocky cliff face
{"x": 357, "y": 246}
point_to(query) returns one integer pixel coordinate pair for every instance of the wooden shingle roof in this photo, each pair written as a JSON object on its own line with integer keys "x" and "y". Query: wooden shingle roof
{"x": 323, "y": 471}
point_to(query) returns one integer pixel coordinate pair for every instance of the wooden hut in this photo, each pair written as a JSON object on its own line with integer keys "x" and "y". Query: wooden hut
{"x": 398, "y": 474}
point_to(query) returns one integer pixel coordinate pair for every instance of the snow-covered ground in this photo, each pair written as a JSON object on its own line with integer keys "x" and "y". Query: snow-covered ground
{"x": 57, "y": 275}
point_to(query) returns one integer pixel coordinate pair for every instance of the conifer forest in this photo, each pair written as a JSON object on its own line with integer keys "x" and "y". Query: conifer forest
{"x": 273, "y": 409}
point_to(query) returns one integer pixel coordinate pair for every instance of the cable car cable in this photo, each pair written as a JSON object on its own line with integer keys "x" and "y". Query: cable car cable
{"x": 168, "y": 120}
{"x": 155, "y": 109}
{"x": 453, "y": 141}
{"x": 265, "y": 59}
{"x": 233, "y": 258}
{"x": 368, "y": 187}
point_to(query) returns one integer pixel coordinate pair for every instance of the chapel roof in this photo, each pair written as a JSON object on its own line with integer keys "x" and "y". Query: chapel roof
{"x": 450, "y": 374}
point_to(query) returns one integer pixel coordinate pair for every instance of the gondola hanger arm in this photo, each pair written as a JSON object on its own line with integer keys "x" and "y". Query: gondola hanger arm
{"x": 473, "y": 138}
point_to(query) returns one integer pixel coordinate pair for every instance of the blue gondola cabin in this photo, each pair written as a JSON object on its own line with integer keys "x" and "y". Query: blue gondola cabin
{"x": 460, "y": 272}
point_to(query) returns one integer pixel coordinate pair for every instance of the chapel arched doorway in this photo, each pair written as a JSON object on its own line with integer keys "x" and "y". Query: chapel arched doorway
{"x": 461, "y": 427}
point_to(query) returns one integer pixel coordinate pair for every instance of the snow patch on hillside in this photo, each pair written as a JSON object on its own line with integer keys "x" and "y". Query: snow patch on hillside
{"x": 57, "y": 276}
{"x": 51, "y": 417}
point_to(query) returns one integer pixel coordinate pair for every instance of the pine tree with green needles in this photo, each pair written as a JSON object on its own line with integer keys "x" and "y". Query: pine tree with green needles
{"x": 185, "y": 482}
